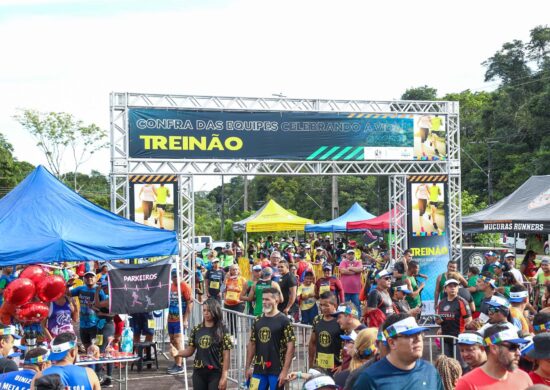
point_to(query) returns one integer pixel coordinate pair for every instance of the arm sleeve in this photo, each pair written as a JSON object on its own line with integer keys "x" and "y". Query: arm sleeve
{"x": 74, "y": 291}
{"x": 192, "y": 337}
{"x": 373, "y": 299}
{"x": 253, "y": 331}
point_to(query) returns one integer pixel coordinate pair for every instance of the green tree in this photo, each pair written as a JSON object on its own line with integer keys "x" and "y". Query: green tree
{"x": 58, "y": 133}
{"x": 420, "y": 93}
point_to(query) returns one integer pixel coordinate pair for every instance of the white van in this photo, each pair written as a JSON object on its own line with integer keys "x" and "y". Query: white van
{"x": 199, "y": 242}
{"x": 520, "y": 240}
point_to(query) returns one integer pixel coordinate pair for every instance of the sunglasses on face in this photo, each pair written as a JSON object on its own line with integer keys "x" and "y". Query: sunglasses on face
{"x": 511, "y": 347}
{"x": 492, "y": 310}
{"x": 386, "y": 278}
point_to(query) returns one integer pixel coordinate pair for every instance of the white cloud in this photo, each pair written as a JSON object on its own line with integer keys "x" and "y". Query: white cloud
{"x": 314, "y": 49}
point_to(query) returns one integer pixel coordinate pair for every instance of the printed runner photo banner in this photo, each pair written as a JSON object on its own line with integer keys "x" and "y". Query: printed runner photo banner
{"x": 139, "y": 288}
{"x": 428, "y": 230}
{"x": 310, "y": 136}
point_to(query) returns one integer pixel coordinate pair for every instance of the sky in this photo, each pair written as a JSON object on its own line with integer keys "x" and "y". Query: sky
{"x": 68, "y": 55}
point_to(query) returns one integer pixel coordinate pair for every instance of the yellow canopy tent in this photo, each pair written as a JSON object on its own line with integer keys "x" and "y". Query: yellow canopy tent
{"x": 271, "y": 217}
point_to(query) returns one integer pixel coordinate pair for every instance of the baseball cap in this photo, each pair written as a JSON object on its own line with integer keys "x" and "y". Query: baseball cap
{"x": 490, "y": 282}
{"x": 497, "y": 301}
{"x": 518, "y": 296}
{"x": 403, "y": 288}
{"x": 470, "y": 339}
{"x": 297, "y": 255}
{"x": 327, "y": 266}
{"x": 320, "y": 382}
{"x": 350, "y": 251}
{"x": 257, "y": 267}
{"x": 545, "y": 260}
{"x": 349, "y": 337}
{"x": 508, "y": 335}
{"x": 89, "y": 273}
{"x": 490, "y": 254}
{"x": 509, "y": 255}
{"x": 380, "y": 337}
{"x": 319, "y": 248}
{"x": 215, "y": 260}
{"x": 451, "y": 281}
{"x": 342, "y": 309}
{"x": 383, "y": 274}
{"x": 407, "y": 327}
{"x": 266, "y": 272}
{"x": 9, "y": 330}
{"x": 59, "y": 351}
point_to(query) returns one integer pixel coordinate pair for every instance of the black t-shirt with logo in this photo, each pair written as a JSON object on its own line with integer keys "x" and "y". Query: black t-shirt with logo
{"x": 380, "y": 300}
{"x": 271, "y": 335}
{"x": 215, "y": 280}
{"x": 287, "y": 281}
{"x": 329, "y": 343}
{"x": 453, "y": 313}
{"x": 209, "y": 350}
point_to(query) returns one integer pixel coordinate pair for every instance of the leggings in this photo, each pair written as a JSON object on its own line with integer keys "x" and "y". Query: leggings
{"x": 205, "y": 379}
{"x": 422, "y": 203}
{"x": 147, "y": 207}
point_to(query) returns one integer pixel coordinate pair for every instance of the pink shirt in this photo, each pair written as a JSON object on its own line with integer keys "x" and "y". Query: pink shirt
{"x": 351, "y": 283}
{"x": 477, "y": 379}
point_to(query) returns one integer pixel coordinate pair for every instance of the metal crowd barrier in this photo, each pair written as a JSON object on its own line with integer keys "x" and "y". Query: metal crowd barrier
{"x": 440, "y": 350}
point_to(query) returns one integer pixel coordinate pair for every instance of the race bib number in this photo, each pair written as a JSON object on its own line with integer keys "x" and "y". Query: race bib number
{"x": 151, "y": 324}
{"x": 325, "y": 360}
{"x": 99, "y": 340}
{"x": 254, "y": 383}
{"x": 324, "y": 289}
{"x": 215, "y": 285}
{"x": 232, "y": 296}
{"x": 483, "y": 318}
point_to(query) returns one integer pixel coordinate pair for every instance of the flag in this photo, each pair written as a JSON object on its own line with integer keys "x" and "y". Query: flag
{"x": 139, "y": 288}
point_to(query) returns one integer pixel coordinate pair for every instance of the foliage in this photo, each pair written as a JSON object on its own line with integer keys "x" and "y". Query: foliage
{"x": 420, "y": 93}
{"x": 57, "y": 133}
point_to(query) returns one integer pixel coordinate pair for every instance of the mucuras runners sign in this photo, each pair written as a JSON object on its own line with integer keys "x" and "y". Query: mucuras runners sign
{"x": 513, "y": 227}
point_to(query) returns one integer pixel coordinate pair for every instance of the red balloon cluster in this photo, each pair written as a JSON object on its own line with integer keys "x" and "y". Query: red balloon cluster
{"x": 19, "y": 294}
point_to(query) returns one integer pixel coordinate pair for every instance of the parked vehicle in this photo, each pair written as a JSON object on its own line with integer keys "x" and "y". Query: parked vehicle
{"x": 199, "y": 242}
{"x": 520, "y": 240}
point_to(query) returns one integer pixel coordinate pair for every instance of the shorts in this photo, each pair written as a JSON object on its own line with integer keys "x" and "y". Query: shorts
{"x": 267, "y": 382}
{"x": 87, "y": 334}
{"x": 161, "y": 206}
{"x": 174, "y": 328}
{"x": 424, "y": 132}
{"x": 435, "y": 204}
{"x": 139, "y": 325}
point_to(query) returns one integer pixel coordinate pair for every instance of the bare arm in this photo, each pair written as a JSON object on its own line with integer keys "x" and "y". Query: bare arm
{"x": 94, "y": 380}
{"x": 225, "y": 369}
{"x": 250, "y": 352}
{"x": 437, "y": 290}
{"x": 291, "y": 298}
{"x": 312, "y": 349}
{"x": 283, "y": 376}
{"x": 185, "y": 353}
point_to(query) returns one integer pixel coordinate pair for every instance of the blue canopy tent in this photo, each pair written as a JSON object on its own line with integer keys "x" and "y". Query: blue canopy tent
{"x": 44, "y": 221}
{"x": 355, "y": 213}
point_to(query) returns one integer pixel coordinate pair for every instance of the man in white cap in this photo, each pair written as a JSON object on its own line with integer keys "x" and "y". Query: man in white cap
{"x": 380, "y": 298}
{"x": 472, "y": 351}
{"x": 8, "y": 334}
{"x": 348, "y": 319}
{"x": 36, "y": 360}
{"x": 502, "y": 346}
{"x": 64, "y": 352}
{"x": 214, "y": 280}
{"x": 510, "y": 259}
{"x": 400, "y": 291}
{"x": 403, "y": 367}
{"x": 454, "y": 314}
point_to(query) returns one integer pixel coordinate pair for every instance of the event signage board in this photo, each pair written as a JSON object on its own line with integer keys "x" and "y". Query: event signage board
{"x": 139, "y": 288}
{"x": 309, "y": 136}
{"x": 428, "y": 230}
{"x": 154, "y": 200}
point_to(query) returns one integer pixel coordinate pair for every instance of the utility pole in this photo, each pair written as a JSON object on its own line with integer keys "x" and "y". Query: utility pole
{"x": 489, "y": 170}
{"x": 335, "y": 206}
{"x": 222, "y": 212}
{"x": 245, "y": 206}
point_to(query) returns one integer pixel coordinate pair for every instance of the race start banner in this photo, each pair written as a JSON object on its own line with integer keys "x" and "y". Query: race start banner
{"x": 428, "y": 230}
{"x": 186, "y": 134}
{"x": 139, "y": 288}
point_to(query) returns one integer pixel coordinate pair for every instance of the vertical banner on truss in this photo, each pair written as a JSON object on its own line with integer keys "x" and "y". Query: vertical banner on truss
{"x": 428, "y": 231}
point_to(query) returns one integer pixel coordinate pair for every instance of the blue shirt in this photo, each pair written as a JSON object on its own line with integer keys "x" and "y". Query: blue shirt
{"x": 382, "y": 375}
{"x": 20, "y": 380}
{"x": 73, "y": 377}
{"x": 88, "y": 317}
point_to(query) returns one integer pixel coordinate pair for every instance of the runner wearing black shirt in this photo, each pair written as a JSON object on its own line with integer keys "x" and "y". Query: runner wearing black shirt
{"x": 289, "y": 285}
{"x": 214, "y": 279}
{"x": 271, "y": 346}
{"x": 380, "y": 298}
{"x": 212, "y": 343}
{"x": 325, "y": 344}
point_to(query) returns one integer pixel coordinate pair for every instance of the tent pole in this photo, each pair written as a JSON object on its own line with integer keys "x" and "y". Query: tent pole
{"x": 178, "y": 287}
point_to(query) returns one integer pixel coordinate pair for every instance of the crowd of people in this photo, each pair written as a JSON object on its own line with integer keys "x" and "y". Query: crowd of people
{"x": 364, "y": 310}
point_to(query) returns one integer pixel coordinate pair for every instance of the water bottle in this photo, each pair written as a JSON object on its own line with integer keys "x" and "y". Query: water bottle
{"x": 127, "y": 342}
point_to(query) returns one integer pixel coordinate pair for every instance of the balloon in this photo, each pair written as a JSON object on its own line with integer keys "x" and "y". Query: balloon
{"x": 6, "y": 312}
{"x": 19, "y": 291}
{"x": 34, "y": 272}
{"x": 32, "y": 312}
{"x": 51, "y": 288}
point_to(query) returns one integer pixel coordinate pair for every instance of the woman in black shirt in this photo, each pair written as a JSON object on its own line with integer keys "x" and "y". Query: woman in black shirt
{"x": 212, "y": 342}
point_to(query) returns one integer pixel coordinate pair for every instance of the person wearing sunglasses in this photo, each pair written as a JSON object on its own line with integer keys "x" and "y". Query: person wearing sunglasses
{"x": 380, "y": 297}
{"x": 502, "y": 345}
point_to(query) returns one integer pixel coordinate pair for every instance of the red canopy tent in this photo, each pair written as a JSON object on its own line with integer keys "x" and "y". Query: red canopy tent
{"x": 382, "y": 222}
